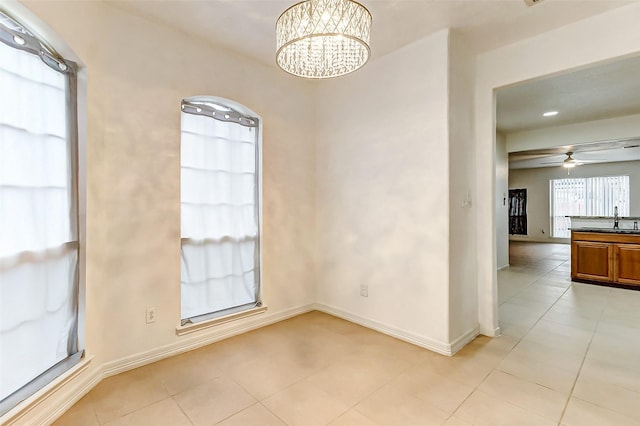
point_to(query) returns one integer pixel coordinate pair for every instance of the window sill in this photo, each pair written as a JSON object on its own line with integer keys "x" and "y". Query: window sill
{"x": 181, "y": 330}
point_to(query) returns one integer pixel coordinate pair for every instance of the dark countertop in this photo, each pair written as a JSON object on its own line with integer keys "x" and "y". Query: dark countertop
{"x": 608, "y": 230}
{"x": 605, "y": 217}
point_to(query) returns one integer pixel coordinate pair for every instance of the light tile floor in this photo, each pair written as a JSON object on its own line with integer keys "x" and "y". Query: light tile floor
{"x": 569, "y": 354}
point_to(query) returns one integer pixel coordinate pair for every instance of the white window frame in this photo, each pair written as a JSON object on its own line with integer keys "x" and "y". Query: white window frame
{"x": 208, "y": 105}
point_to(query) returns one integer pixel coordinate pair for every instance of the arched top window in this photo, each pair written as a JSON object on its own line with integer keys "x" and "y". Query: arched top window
{"x": 220, "y": 221}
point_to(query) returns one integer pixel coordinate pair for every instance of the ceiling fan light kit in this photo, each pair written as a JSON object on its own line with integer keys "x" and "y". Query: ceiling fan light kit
{"x": 323, "y": 38}
{"x": 569, "y": 162}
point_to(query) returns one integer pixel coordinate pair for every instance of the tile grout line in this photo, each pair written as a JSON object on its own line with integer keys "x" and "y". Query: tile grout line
{"x": 183, "y": 412}
{"x": 367, "y": 395}
{"x": 537, "y": 321}
{"x": 519, "y": 338}
{"x": 546, "y": 311}
{"x": 474, "y": 390}
{"x": 575, "y": 381}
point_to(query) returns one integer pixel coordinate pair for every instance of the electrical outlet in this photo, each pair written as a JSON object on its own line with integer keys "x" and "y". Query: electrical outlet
{"x": 364, "y": 290}
{"x": 151, "y": 315}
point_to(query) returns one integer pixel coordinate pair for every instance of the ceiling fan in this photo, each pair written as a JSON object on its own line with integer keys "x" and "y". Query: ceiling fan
{"x": 592, "y": 152}
{"x": 570, "y": 162}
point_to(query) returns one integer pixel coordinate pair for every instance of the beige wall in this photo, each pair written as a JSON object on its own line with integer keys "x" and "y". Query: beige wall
{"x": 537, "y": 183}
{"x": 137, "y": 74}
{"x": 383, "y": 211}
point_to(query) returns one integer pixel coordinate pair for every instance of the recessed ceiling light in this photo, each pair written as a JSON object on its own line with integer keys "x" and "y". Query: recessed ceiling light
{"x": 550, "y": 113}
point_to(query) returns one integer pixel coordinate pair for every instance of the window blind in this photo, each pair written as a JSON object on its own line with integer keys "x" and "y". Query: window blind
{"x": 593, "y": 196}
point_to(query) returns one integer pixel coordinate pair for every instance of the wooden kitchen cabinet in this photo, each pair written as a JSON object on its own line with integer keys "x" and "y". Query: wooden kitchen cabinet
{"x": 626, "y": 264}
{"x": 605, "y": 257}
{"x": 592, "y": 260}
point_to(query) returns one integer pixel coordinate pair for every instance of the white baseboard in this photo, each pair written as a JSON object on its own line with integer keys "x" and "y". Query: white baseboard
{"x": 418, "y": 340}
{"x": 500, "y": 268}
{"x": 56, "y": 401}
{"x": 196, "y": 340}
{"x": 73, "y": 395}
{"x": 52, "y": 402}
{"x": 461, "y": 341}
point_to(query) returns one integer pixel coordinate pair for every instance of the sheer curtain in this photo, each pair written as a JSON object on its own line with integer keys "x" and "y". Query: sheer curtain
{"x": 219, "y": 219}
{"x": 38, "y": 237}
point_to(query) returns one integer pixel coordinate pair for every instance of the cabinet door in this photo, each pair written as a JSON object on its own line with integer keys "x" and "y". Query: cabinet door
{"x": 592, "y": 261}
{"x": 627, "y": 264}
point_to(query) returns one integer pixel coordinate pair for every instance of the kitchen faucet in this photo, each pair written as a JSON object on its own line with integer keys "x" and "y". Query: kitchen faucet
{"x": 615, "y": 218}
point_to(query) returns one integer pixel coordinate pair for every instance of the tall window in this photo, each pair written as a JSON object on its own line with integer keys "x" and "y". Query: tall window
{"x": 38, "y": 214}
{"x": 220, "y": 271}
{"x": 594, "y": 196}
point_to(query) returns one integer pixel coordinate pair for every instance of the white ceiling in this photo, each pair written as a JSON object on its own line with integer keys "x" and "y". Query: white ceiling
{"x": 248, "y": 26}
{"x": 598, "y": 92}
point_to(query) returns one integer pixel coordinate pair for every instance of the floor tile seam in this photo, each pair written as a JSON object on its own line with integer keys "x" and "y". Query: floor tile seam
{"x": 95, "y": 416}
{"x": 554, "y": 269}
{"x": 224, "y": 376}
{"x": 232, "y": 379}
{"x": 535, "y": 281}
{"x": 428, "y": 403}
{"x": 182, "y": 410}
{"x": 625, "y": 388}
{"x": 575, "y": 381}
{"x": 89, "y": 408}
{"x": 441, "y": 376}
{"x": 540, "y": 318}
{"x": 541, "y": 341}
{"x": 272, "y": 412}
{"x": 493, "y": 397}
{"x": 132, "y": 411}
{"x": 524, "y": 406}
{"x": 299, "y": 381}
{"x": 246, "y": 408}
{"x": 261, "y": 401}
{"x": 376, "y": 389}
{"x": 476, "y": 388}
{"x": 607, "y": 409}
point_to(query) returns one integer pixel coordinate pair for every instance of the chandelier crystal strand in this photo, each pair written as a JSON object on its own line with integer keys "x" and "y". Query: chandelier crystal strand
{"x": 323, "y": 38}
